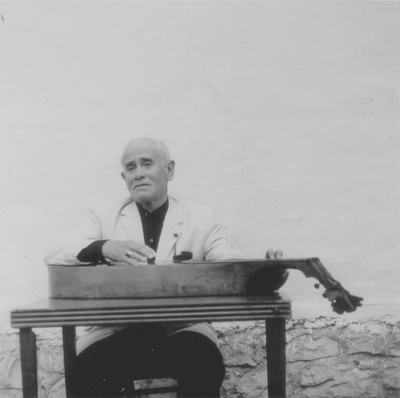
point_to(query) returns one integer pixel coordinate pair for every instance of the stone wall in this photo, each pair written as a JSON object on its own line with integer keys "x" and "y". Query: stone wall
{"x": 326, "y": 357}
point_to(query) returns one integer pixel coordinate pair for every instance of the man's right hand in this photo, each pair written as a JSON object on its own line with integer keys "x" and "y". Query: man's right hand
{"x": 127, "y": 251}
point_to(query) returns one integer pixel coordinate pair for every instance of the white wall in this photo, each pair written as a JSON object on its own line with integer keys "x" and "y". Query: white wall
{"x": 282, "y": 115}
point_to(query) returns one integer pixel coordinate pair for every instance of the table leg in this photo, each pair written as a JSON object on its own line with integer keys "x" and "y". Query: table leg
{"x": 276, "y": 357}
{"x": 27, "y": 341}
{"x": 69, "y": 347}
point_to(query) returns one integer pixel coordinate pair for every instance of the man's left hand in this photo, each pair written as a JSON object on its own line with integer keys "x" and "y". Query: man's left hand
{"x": 280, "y": 274}
{"x": 271, "y": 253}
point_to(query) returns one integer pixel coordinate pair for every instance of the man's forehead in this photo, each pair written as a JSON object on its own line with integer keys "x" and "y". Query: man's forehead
{"x": 137, "y": 153}
{"x": 143, "y": 148}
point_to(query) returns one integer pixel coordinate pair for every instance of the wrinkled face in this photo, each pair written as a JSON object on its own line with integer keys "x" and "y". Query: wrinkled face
{"x": 146, "y": 173}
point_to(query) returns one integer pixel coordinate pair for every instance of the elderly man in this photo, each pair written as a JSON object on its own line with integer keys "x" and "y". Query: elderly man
{"x": 148, "y": 225}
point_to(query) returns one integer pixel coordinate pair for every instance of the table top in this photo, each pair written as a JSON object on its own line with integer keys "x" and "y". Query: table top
{"x": 81, "y": 312}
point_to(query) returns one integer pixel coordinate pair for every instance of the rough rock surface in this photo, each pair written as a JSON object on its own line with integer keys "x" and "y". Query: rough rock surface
{"x": 326, "y": 357}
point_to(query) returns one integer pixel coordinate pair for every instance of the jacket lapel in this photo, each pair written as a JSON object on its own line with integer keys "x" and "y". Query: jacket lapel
{"x": 171, "y": 230}
{"x": 131, "y": 222}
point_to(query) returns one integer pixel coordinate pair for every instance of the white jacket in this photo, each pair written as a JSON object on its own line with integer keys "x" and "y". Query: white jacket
{"x": 193, "y": 228}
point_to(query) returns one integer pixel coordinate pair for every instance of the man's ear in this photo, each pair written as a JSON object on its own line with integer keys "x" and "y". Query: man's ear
{"x": 123, "y": 175}
{"x": 170, "y": 170}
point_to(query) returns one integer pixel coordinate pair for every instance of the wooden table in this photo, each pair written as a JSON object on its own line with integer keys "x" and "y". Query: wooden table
{"x": 69, "y": 313}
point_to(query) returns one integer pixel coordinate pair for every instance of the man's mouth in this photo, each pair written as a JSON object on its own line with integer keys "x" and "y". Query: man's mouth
{"x": 140, "y": 185}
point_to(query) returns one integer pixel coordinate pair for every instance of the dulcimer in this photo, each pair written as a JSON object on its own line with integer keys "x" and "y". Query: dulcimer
{"x": 264, "y": 279}
{"x": 186, "y": 277}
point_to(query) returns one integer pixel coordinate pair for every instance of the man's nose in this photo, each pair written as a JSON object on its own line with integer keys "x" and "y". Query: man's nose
{"x": 139, "y": 173}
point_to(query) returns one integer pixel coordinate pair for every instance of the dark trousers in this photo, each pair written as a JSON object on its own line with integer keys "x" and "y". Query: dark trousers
{"x": 108, "y": 367}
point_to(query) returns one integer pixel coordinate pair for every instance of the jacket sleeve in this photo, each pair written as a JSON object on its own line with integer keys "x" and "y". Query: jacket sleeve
{"x": 216, "y": 244}
{"x": 64, "y": 251}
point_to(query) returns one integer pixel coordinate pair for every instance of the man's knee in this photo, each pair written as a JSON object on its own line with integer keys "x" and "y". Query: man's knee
{"x": 195, "y": 353}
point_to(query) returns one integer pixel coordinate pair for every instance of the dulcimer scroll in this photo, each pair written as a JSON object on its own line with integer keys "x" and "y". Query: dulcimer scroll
{"x": 341, "y": 300}
{"x": 192, "y": 278}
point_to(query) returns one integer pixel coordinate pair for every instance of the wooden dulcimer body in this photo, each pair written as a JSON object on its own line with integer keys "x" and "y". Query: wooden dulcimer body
{"x": 192, "y": 278}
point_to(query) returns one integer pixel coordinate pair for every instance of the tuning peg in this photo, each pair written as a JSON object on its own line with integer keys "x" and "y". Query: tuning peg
{"x": 317, "y": 285}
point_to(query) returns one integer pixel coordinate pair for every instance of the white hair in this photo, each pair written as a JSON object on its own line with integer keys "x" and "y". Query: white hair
{"x": 159, "y": 145}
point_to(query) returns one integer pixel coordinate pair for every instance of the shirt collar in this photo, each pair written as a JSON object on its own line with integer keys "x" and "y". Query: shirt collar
{"x": 160, "y": 212}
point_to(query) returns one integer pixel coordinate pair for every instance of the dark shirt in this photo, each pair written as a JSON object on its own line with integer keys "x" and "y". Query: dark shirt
{"x": 152, "y": 224}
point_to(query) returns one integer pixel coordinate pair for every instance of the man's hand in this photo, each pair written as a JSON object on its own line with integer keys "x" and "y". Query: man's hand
{"x": 280, "y": 274}
{"x": 128, "y": 251}
{"x": 271, "y": 253}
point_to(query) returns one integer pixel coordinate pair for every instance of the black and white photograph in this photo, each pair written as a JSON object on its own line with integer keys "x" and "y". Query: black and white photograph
{"x": 199, "y": 199}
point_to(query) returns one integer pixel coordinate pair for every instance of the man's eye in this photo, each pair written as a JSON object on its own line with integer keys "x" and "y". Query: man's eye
{"x": 147, "y": 164}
